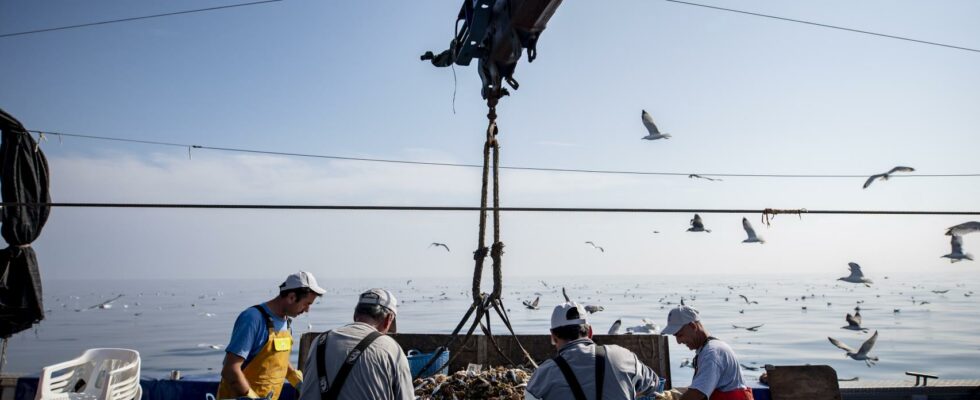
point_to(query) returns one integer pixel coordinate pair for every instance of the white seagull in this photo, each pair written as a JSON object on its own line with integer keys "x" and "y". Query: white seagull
{"x": 596, "y": 247}
{"x": 697, "y": 225}
{"x": 854, "y": 322}
{"x": 105, "y": 305}
{"x": 443, "y": 245}
{"x": 856, "y": 275}
{"x": 957, "y": 254}
{"x": 532, "y": 305}
{"x": 614, "y": 329}
{"x": 862, "y": 353}
{"x": 753, "y": 238}
{"x": 886, "y": 175}
{"x": 654, "y": 133}
{"x": 748, "y": 328}
{"x": 963, "y": 229}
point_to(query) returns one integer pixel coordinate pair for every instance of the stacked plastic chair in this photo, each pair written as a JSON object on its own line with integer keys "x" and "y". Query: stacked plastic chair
{"x": 98, "y": 374}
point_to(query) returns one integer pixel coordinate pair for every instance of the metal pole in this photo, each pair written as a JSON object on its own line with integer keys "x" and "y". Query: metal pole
{"x": 3, "y": 355}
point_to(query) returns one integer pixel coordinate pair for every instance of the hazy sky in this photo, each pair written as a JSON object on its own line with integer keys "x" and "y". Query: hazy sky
{"x": 740, "y": 94}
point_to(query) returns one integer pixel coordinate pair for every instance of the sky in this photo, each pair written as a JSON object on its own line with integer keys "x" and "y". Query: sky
{"x": 739, "y": 94}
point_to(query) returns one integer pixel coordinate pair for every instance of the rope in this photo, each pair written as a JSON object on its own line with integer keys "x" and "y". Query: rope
{"x": 463, "y": 208}
{"x": 770, "y": 213}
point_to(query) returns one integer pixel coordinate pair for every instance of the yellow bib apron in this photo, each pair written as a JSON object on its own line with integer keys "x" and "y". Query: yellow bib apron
{"x": 267, "y": 371}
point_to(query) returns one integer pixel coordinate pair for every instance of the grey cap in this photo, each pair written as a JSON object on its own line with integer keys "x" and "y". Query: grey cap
{"x": 570, "y": 313}
{"x": 678, "y": 317}
{"x": 381, "y": 297}
{"x": 301, "y": 279}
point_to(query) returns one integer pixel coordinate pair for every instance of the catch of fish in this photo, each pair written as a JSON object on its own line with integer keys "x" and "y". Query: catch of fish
{"x": 496, "y": 383}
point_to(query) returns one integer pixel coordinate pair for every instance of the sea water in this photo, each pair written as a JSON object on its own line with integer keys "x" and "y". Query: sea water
{"x": 174, "y": 323}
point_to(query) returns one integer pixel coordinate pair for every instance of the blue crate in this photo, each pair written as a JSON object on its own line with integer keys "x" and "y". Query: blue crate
{"x": 417, "y": 360}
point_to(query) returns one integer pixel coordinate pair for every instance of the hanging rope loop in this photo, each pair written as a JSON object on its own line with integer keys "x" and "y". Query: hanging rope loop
{"x": 770, "y": 213}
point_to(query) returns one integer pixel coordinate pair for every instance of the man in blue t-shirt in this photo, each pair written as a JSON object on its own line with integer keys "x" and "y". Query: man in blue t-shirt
{"x": 257, "y": 357}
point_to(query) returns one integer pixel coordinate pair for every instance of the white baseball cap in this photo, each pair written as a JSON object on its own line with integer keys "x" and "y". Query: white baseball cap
{"x": 678, "y": 317}
{"x": 301, "y": 279}
{"x": 381, "y": 297}
{"x": 570, "y": 313}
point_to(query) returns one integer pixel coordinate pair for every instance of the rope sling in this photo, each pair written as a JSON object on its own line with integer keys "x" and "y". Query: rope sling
{"x": 482, "y": 302}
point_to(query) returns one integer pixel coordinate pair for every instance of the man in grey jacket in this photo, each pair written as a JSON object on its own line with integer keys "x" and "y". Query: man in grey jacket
{"x": 584, "y": 370}
{"x": 358, "y": 360}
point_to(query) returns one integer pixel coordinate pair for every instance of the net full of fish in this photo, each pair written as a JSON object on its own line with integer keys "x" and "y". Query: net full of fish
{"x": 495, "y": 384}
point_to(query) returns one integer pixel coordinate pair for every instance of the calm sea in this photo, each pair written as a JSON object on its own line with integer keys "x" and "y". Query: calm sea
{"x": 172, "y": 323}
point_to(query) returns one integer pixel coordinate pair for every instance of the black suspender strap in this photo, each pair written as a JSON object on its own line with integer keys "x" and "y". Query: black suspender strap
{"x": 570, "y": 378}
{"x": 695, "y": 362}
{"x": 267, "y": 317}
{"x": 321, "y": 364}
{"x": 341, "y": 377}
{"x": 600, "y": 370}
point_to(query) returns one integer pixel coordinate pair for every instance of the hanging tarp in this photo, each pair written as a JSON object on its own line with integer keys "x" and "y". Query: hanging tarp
{"x": 23, "y": 179}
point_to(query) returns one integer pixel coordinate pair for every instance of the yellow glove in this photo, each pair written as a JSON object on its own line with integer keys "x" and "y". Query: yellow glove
{"x": 672, "y": 394}
{"x": 295, "y": 377}
{"x": 251, "y": 394}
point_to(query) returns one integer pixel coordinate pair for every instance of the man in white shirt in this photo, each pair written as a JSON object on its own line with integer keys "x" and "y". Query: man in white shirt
{"x": 716, "y": 371}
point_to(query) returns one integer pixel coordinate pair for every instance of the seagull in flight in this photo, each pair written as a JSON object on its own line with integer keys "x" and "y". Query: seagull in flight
{"x": 692, "y": 176}
{"x": 854, "y": 322}
{"x": 860, "y": 354}
{"x": 748, "y": 328}
{"x": 886, "y": 175}
{"x": 653, "y": 132}
{"x": 856, "y": 275}
{"x": 697, "y": 225}
{"x": 596, "y": 247}
{"x": 747, "y": 299}
{"x": 443, "y": 245}
{"x": 105, "y": 305}
{"x": 594, "y": 309}
{"x": 957, "y": 254}
{"x": 963, "y": 229}
{"x": 753, "y": 238}
{"x": 614, "y": 329}
{"x": 532, "y": 305}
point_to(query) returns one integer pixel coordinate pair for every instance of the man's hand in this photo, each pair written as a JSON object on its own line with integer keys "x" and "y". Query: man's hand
{"x": 672, "y": 394}
{"x": 294, "y": 377}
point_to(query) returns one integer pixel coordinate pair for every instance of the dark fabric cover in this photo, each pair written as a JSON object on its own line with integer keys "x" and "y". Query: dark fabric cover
{"x": 23, "y": 179}
{"x": 154, "y": 389}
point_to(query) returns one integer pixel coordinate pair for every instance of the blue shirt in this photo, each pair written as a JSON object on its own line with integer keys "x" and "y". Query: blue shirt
{"x": 250, "y": 333}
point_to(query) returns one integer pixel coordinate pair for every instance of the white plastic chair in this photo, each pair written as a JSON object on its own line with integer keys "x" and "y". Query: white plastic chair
{"x": 98, "y": 374}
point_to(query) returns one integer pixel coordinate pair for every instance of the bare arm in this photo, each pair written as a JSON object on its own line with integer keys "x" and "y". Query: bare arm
{"x": 232, "y": 373}
{"x": 693, "y": 394}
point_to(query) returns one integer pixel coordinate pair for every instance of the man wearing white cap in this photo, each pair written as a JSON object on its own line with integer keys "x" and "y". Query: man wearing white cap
{"x": 257, "y": 357}
{"x": 358, "y": 360}
{"x": 585, "y": 371}
{"x": 716, "y": 372}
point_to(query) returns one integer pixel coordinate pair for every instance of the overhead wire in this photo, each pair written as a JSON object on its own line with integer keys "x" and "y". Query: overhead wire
{"x": 137, "y": 18}
{"x": 471, "y": 208}
{"x": 825, "y": 25}
{"x": 464, "y": 165}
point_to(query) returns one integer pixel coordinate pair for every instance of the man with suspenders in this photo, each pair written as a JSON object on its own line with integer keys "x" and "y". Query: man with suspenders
{"x": 716, "y": 371}
{"x": 358, "y": 360}
{"x": 257, "y": 357}
{"x": 584, "y": 370}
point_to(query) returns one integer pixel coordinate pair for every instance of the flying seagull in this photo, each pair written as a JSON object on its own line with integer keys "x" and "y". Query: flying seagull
{"x": 854, "y": 322}
{"x": 443, "y": 245}
{"x": 748, "y": 328}
{"x": 856, "y": 275}
{"x": 751, "y": 232}
{"x": 747, "y": 299}
{"x": 957, "y": 254}
{"x": 697, "y": 225}
{"x": 532, "y": 305}
{"x": 614, "y": 329}
{"x": 886, "y": 175}
{"x": 105, "y": 304}
{"x": 692, "y": 176}
{"x": 654, "y": 133}
{"x": 594, "y": 309}
{"x": 963, "y": 229}
{"x": 596, "y": 247}
{"x": 860, "y": 354}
